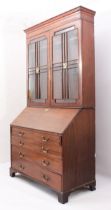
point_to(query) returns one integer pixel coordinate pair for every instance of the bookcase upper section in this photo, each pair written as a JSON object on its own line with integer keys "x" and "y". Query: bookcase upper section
{"x": 60, "y": 61}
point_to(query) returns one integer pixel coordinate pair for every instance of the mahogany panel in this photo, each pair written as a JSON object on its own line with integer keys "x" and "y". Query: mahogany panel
{"x": 79, "y": 152}
{"x": 32, "y": 170}
{"x": 43, "y": 160}
{"x": 50, "y": 150}
{"x": 51, "y": 120}
{"x": 34, "y": 136}
{"x": 88, "y": 64}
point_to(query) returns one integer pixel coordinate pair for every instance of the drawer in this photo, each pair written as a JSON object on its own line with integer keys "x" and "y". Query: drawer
{"x": 37, "y": 141}
{"x": 36, "y": 172}
{"x": 42, "y": 160}
{"x": 38, "y": 136}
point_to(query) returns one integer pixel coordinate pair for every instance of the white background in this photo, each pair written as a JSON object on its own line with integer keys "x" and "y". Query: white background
{"x": 15, "y": 16}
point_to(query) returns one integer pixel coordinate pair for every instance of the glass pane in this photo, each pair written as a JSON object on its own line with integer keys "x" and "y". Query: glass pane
{"x": 32, "y": 86}
{"x": 57, "y": 49}
{"x": 57, "y": 84}
{"x": 43, "y": 85}
{"x": 31, "y": 55}
{"x": 72, "y": 37}
{"x": 64, "y": 30}
{"x": 73, "y": 83}
{"x": 43, "y": 52}
{"x": 38, "y": 70}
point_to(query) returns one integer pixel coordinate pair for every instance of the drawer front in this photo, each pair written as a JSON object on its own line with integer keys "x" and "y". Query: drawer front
{"x": 37, "y": 141}
{"x": 36, "y": 135}
{"x": 36, "y": 172}
{"x": 42, "y": 160}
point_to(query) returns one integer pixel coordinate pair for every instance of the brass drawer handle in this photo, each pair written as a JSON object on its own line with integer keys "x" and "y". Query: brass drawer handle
{"x": 44, "y": 150}
{"x": 44, "y": 139}
{"x": 45, "y": 177}
{"x": 21, "y": 143}
{"x": 45, "y": 162}
{"x": 22, "y": 167}
{"x": 20, "y": 134}
{"x": 21, "y": 155}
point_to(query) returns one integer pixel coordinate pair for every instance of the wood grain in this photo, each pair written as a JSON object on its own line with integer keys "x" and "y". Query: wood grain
{"x": 79, "y": 152}
{"x": 88, "y": 63}
{"x": 43, "y": 160}
{"x": 32, "y": 170}
{"x": 46, "y": 144}
{"x": 53, "y": 141}
{"x": 52, "y": 120}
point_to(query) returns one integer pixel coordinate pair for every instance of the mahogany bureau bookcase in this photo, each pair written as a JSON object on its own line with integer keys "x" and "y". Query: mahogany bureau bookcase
{"x": 53, "y": 139}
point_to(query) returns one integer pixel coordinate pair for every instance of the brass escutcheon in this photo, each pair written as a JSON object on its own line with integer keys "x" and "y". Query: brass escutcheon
{"x": 64, "y": 65}
{"x": 37, "y": 70}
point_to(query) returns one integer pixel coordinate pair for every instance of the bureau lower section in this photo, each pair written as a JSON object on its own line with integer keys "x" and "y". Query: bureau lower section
{"x": 62, "y": 161}
{"x": 20, "y": 154}
{"x": 37, "y": 155}
{"x": 34, "y": 171}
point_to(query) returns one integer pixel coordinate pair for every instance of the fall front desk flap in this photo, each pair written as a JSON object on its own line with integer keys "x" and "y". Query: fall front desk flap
{"x": 46, "y": 119}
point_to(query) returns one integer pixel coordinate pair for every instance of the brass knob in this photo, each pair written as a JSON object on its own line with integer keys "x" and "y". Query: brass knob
{"x": 21, "y": 155}
{"x": 22, "y": 167}
{"x": 21, "y": 143}
{"x": 45, "y": 162}
{"x": 45, "y": 177}
{"x": 44, "y": 150}
{"x": 20, "y": 134}
{"x": 44, "y": 139}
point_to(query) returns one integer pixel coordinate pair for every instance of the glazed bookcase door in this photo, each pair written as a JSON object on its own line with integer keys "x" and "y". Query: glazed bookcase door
{"x": 65, "y": 67}
{"x": 38, "y": 71}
